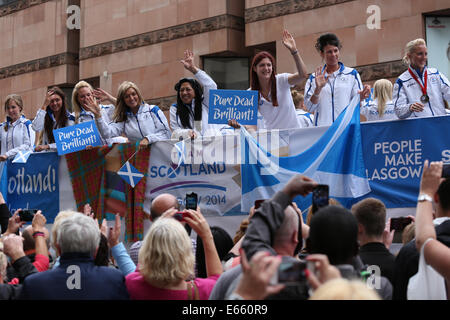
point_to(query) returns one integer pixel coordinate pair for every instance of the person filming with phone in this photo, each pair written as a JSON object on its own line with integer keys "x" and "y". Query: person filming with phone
{"x": 407, "y": 261}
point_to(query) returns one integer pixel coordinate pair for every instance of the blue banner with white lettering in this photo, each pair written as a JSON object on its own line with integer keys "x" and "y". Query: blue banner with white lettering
{"x": 76, "y": 138}
{"x": 241, "y": 105}
{"x": 394, "y": 153}
{"x": 35, "y": 184}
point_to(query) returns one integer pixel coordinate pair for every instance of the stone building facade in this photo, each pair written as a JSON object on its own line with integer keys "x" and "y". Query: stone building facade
{"x": 143, "y": 40}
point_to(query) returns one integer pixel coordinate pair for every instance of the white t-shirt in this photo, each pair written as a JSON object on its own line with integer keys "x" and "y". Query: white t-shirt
{"x": 283, "y": 116}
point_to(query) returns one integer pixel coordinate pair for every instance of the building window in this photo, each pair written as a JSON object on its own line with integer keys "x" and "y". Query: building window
{"x": 5, "y": 2}
{"x": 438, "y": 44}
{"x": 228, "y": 73}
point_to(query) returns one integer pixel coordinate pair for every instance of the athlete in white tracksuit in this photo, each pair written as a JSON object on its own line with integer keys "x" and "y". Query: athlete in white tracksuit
{"x": 407, "y": 91}
{"x": 149, "y": 122}
{"x": 38, "y": 126}
{"x": 18, "y": 137}
{"x": 339, "y": 90}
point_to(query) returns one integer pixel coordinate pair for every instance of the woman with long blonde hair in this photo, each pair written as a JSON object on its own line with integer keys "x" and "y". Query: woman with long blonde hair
{"x": 381, "y": 107}
{"x": 166, "y": 261}
{"x": 134, "y": 118}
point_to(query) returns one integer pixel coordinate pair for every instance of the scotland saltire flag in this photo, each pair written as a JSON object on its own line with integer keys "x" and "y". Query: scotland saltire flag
{"x": 130, "y": 174}
{"x": 336, "y": 159}
{"x": 180, "y": 148}
{"x": 22, "y": 156}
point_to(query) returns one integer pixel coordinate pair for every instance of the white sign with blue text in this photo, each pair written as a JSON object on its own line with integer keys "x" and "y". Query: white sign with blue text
{"x": 78, "y": 137}
{"x": 240, "y": 105}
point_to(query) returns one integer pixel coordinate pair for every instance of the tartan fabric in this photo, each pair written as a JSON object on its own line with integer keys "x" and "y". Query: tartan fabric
{"x": 86, "y": 171}
{"x": 88, "y": 176}
{"x": 135, "y": 197}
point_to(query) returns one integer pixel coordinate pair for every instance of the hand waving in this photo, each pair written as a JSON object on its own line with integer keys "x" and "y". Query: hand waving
{"x": 289, "y": 42}
{"x": 188, "y": 61}
{"x": 320, "y": 78}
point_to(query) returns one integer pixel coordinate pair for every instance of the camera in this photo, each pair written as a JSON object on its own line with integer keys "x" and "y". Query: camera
{"x": 290, "y": 273}
{"x": 320, "y": 197}
{"x": 180, "y": 215}
{"x": 27, "y": 214}
{"x": 191, "y": 201}
{"x": 398, "y": 224}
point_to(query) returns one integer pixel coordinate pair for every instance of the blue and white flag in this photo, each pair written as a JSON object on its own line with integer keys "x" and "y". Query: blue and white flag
{"x": 22, "y": 156}
{"x": 336, "y": 159}
{"x": 130, "y": 174}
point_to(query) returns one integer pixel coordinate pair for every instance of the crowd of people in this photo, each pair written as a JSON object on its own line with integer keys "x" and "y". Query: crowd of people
{"x": 334, "y": 252}
{"x": 338, "y": 254}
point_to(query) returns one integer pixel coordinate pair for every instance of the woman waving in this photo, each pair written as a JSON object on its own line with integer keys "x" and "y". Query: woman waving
{"x": 331, "y": 88}
{"x": 275, "y": 100}
{"x": 132, "y": 117}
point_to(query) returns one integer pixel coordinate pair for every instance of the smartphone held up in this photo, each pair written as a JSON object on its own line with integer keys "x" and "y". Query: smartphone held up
{"x": 27, "y": 215}
{"x": 320, "y": 197}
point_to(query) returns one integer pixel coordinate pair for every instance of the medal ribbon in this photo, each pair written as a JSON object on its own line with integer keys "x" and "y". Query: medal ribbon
{"x": 425, "y": 76}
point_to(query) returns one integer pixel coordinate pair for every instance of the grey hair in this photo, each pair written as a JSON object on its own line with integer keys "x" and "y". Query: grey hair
{"x": 3, "y": 263}
{"x": 78, "y": 233}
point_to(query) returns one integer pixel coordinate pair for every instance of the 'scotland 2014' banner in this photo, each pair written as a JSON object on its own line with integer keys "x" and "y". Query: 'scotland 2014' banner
{"x": 34, "y": 185}
{"x": 394, "y": 153}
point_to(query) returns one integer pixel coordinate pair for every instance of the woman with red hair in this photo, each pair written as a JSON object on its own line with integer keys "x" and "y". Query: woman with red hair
{"x": 275, "y": 100}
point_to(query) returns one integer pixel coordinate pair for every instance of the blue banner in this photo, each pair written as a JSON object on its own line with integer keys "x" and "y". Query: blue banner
{"x": 76, "y": 138}
{"x": 241, "y": 105}
{"x": 394, "y": 153}
{"x": 34, "y": 185}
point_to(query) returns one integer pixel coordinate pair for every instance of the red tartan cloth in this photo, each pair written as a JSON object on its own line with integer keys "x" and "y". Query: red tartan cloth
{"x": 87, "y": 174}
{"x": 86, "y": 170}
{"x": 135, "y": 197}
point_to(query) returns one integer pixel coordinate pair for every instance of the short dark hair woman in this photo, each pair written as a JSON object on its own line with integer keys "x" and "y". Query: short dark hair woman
{"x": 331, "y": 88}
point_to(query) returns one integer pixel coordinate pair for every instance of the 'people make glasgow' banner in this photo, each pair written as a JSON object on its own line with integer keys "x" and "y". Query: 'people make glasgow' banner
{"x": 394, "y": 153}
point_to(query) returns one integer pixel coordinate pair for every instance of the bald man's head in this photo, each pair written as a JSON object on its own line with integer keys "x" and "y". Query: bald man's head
{"x": 28, "y": 242}
{"x": 162, "y": 203}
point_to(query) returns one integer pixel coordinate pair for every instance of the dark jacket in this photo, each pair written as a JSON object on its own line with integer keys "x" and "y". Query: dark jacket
{"x": 4, "y": 217}
{"x": 407, "y": 261}
{"x": 23, "y": 268}
{"x": 265, "y": 222}
{"x": 76, "y": 278}
{"x": 376, "y": 253}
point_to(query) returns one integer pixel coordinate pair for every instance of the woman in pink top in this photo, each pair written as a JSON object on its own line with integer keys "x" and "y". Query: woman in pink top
{"x": 166, "y": 261}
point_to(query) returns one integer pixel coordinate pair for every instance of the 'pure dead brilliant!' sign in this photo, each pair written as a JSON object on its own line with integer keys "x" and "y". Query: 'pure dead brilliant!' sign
{"x": 77, "y": 137}
{"x": 241, "y": 105}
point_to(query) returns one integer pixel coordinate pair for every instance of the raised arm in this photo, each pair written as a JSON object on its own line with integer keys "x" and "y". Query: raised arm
{"x": 269, "y": 217}
{"x": 199, "y": 224}
{"x": 313, "y": 87}
{"x": 205, "y": 80}
{"x": 104, "y": 96}
{"x": 38, "y": 122}
{"x": 300, "y": 75}
{"x": 38, "y": 225}
{"x": 436, "y": 254}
